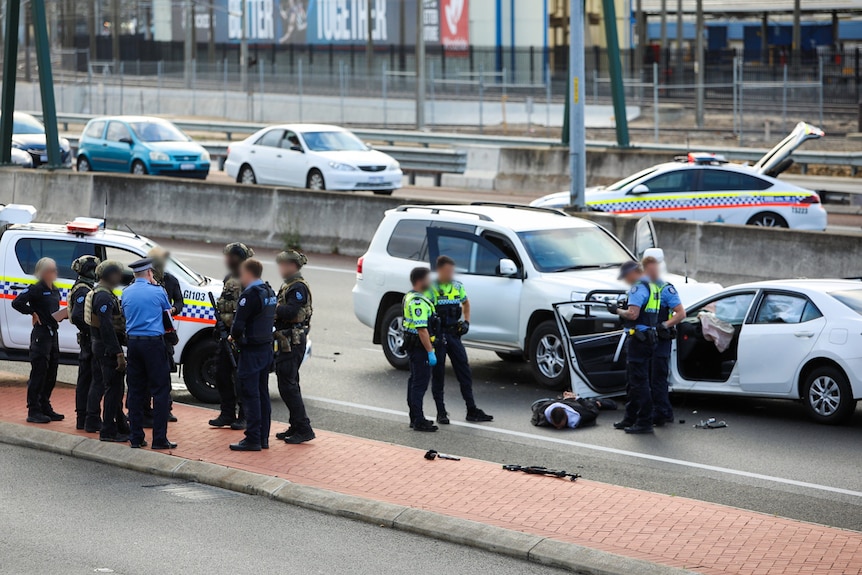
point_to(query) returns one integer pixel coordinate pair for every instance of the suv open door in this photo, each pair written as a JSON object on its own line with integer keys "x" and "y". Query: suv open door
{"x": 644, "y": 237}
{"x": 778, "y": 159}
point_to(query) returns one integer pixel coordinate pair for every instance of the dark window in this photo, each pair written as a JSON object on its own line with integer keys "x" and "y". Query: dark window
{"x": 408, "y": 239}
{"x": 672, "y": 182}
{"x": 786, "y": 308}
{"x": 470, "y": 256}
{"x": 117, "y": 131}
{"x": 271, "y": 139}
{"x": 290, "y": 140}
{"x": 95, "y": 129}
{"x": 851, "y": 298}
{"x": 727, "y": 181}
{"x": 504, "y": 245}
{"x": 64, "y": 252}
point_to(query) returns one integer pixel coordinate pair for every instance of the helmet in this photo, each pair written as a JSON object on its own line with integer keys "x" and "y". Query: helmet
{"x": 85, "y": 266}
{"x": 240, "y": 250}
{"x": 292, "y": 256}
{"x": 109, "y": 267}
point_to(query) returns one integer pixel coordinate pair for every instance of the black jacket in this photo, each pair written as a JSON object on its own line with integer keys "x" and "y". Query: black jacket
{"x": 105, "y": 305}
{"x": 587, "y": 408}
{"x": 175, "y": 293}
{"x": 77, "y": 317}
{"x": 41, "y": 299}
{"x": 255, "y": 315}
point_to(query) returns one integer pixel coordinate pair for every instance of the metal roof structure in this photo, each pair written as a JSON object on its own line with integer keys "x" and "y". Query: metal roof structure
{"x": 747, "y": 8}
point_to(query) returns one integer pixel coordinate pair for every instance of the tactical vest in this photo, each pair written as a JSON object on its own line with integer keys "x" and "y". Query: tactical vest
{"x": 259, "y": 329}
{"x": 649, "y": 313}
{"x": 447, "y": 302}
{"x": 304, "y": 315}
{"x": 81, "y": 282}
{"x": 227, "y": 301}
{"x": 117, "y": 318}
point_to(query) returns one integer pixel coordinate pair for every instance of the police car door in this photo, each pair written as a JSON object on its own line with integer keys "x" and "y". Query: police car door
{"x": 495, "y": 299}
{"x": 18, "y": 268}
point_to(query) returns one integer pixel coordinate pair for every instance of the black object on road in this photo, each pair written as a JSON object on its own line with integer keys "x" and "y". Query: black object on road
{"x": 710, "y": 423}
{"x": 223, "y": 333}
{"x": 536, "y": 470}
{"x": 433, "y": 454}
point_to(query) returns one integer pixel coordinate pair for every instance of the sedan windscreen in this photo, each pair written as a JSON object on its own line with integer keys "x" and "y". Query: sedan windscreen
{"x": 23, "y": 124}
{"x": 158, "y": 132}
{"x": 333, "y": 142}
{"x": 572, "y": 249}
{"x": 851, "y": 298}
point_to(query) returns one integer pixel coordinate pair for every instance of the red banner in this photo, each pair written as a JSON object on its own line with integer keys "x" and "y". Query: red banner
{"x": 454, "y": 25}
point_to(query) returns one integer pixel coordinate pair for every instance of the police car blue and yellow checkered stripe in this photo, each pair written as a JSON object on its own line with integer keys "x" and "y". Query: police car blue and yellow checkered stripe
{"x": 702, "y": 201}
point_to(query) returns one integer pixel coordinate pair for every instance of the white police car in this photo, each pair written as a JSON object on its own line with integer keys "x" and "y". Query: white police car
{"x": 706, "y": 187}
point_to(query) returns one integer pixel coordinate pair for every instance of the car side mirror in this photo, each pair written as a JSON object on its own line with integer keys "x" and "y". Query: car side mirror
{"x": 508, "y": 268}
{"x": 127, "y": 141}
{"x": 297, "y": 149}
{"x": 368, "y": 146}
{"x": 640, "y": 189}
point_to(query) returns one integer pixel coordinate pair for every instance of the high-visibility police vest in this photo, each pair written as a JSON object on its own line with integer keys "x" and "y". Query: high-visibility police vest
{"x": 650, "y": 312}
{"x": 447, "y": 300}
{"x": 416, "y": 307}
{"x": 664, "y": 312}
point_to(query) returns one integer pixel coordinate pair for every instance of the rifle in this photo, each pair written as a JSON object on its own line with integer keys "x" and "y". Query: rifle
{"x": 536, "y": 470}
{"x": 222, "y": 332}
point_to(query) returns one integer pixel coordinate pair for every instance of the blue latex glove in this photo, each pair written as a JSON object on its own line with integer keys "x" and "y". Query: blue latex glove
{"x": 432, "y": 358}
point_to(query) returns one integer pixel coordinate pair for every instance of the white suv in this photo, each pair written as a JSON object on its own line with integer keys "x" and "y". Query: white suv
{"x": 515, "y": 263}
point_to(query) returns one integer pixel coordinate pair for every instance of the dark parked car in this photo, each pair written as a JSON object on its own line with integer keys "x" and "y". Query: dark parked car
{"x": 28, "y": 135}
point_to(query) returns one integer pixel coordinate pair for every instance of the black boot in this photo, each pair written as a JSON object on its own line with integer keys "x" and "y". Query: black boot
{"x": 443, "y": 417}
{"x": 80, "y": 422}
{"x": 37, "y": 417}
{"x": 476, "y": 415}
{"x": 244, "y": 445}
{"x": 239, "y": 424}
{"x": 282, "y": 435}
{"x": 298, "y": 438}
{"x": 222, "y": 420}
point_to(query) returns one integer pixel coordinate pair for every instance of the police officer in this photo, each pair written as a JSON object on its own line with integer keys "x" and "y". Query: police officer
{"x": 148, "y": 319}
{"x": 234, "y": 255}
{"x": 639, "y": 320}
{"x": 453, "y": 308}
{"x": 252, "y": 332}
{"x": 420, "y": 328}
{"x": 102, "y": 312}
{"x": 85, "y": 267}
{"x": 174, "y": 291}
{"x": 42, "y": 301}
{"x": 670, "y": 313}
{"x": 292, "y": 322}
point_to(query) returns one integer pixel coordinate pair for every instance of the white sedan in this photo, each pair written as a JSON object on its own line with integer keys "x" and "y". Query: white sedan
{"x": 706, "y": 187}
{"x": 789, "y": 339}
{"x": 314, "y": 156}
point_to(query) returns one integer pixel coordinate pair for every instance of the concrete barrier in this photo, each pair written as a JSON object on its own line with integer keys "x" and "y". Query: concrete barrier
{"x": 327, "y": 222}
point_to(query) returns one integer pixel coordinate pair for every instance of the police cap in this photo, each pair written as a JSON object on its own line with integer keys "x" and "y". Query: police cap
{"x": 628, "y": 268}
{"x": 85, "y": 266}
{"x": 141, "y": 265}
{"x": 292, "y": 256}
{"x": 240, "y": 250}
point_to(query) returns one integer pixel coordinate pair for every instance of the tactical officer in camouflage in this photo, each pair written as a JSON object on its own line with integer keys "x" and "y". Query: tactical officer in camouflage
{"x": 292, "y": 322}
{"x": 85, "y": 267}
{"x": 234, "y": 255}
{"x": 102, "y": 312}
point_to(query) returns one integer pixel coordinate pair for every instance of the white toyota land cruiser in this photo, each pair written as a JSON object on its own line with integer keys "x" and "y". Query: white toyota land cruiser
{"x": 22, "y": 243}
{"x": 515, "y": 263}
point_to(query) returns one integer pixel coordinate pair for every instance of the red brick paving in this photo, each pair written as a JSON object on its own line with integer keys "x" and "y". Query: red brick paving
{"x": 673, "y": 531}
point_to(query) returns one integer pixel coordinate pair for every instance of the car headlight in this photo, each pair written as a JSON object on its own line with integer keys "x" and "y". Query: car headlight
{"x": 205, "y": 157}
{"x": 18, "y": 145}
{"x": 159, "y": 157}
{"x": 342, "y": 167}
{"x": 395, "y": 166}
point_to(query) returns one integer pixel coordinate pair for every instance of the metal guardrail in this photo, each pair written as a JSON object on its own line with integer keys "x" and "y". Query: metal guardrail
{"x": 441, "y": 141}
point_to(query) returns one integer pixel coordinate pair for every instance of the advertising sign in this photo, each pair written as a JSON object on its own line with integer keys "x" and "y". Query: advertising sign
{"x": 455, "y": 25}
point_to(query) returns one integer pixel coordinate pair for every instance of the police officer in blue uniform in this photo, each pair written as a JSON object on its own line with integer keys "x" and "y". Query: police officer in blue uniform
{"x": 252, "y": 332}
{"x": 148, "y": 319}
{"x": 639, "y": 321}
{"x": 670, "y": 313}
{"x": 85, "y": 267}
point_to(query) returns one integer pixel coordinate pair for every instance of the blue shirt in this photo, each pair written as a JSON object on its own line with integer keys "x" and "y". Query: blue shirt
{"x": 572, "y": 416}
{"x": 669, "y": 298}
{"x": 144, "y": 305}
{"x": 639, "y": 296}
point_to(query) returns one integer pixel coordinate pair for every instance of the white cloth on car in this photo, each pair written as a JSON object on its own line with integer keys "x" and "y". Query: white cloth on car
{"x": 715, "y": 330}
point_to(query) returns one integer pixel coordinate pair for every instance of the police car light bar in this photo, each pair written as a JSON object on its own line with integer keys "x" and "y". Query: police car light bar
{"x": 85, "y": 226}
{"x": 17, "y": 214}
{"x": 701, "y": 158}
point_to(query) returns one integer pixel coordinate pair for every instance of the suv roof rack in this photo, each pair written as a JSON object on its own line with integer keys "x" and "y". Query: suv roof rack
{"x": 553, "y": 211}
{"x": 435, "y": 210}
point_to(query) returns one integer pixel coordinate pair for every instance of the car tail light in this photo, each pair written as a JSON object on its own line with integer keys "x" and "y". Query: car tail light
{"x": 812, "y": 199}
{"x": 228, "y": 152}
{"x": 359, "y": 263}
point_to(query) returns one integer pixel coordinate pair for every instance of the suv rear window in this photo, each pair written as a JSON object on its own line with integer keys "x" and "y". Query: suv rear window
{"x": 31, "y": 250}
{"x": 408, "y": 239}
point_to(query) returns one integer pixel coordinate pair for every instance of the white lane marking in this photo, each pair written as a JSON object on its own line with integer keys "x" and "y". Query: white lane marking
{"x": 604, "y": 449}
{"x": 374, "y": 349}
{"x": 218, "y": 257}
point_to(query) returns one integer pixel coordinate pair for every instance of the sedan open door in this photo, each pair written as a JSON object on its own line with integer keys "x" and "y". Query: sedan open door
{"x": 778, "y": 159}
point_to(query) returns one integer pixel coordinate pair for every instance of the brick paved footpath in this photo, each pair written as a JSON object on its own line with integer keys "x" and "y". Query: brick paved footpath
{"x": 672, "y": 531}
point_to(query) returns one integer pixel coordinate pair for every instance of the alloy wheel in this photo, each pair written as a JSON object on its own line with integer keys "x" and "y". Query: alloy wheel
{"x": 549, "y": 356}
{"x": 395, "y": 338}
{"x": 824, "y": 396}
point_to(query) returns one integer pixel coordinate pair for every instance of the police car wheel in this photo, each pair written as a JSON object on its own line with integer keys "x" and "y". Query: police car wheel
{"x": 315, "y": 180}
{"x": 83, "y": 164}
{"x": 392, "y": 338}
{"x": 547, "y": 356}
{"x": 246, "y": 175}
{"x": 827, "y": 396}
{"x": 199, "y": 371}
{"x": 767, "y": 220}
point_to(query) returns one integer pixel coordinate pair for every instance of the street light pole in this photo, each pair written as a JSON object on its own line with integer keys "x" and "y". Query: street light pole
{"x": 577, "y": 136}
{"x": 243, "y": 48}
{"x": 700, "y": 64}
{"x": 420, "y": 65}
{"x": 188, "y": 24}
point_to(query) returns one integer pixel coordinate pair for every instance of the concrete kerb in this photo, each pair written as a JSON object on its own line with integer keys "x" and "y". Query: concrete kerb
{"x": 534, "y": 548}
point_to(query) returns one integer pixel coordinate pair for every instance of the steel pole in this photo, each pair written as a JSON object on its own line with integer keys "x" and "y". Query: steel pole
{"x": 243, "y": 49}
{"x": 188, "y": 48}
{"x": 577, "y": 135}
{"x": 655, "y": 100}
{"x": 46, "y": 82}
{"x": 10, "y": 71}
{"x": 615, "y": 71}
{"x": 420, "y": 65}
{"x": 700, "y": 64}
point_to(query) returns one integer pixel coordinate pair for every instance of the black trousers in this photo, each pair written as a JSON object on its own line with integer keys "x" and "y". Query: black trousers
{"x": 226, "y": 383}
{"x": 287, "y": 366}
{"x": 659, "y": 370}
{"x": 639, "y": 396}
{"x": 417, "y": 385}
{"x": 149, "y": 377}
{"x": 452, "y": 346}
{"x": 86, "y": 364}
{"x": 44, "y": 359}
{"x": 107, "y": 378}
{"x": 252, "y": 373}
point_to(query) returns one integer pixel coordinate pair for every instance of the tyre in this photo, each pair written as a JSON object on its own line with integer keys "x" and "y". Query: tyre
{"x": 138, "y": 168}
{"x": 547, "y": 356}
{"x": 383, "y": 192}
{"x": 767, "y": 220}
{"x": 392, "y": 338}
{"x": 199, "y": 371}
{"x": 827, "y": 396}
{"x": 246, "y": 175}
{"x": 84, "y": 164}
{"x": 315, "y": 180}
{"x": 508, "y": 357}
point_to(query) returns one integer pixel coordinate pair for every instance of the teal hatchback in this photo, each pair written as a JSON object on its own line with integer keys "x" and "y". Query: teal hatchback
{"x": 140, "y": 145}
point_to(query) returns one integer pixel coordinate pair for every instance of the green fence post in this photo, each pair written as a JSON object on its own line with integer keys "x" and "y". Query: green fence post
{"x": 46, "y": 82}
{"x": 10, "y": 71}
{"x": 615, "y": 69}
